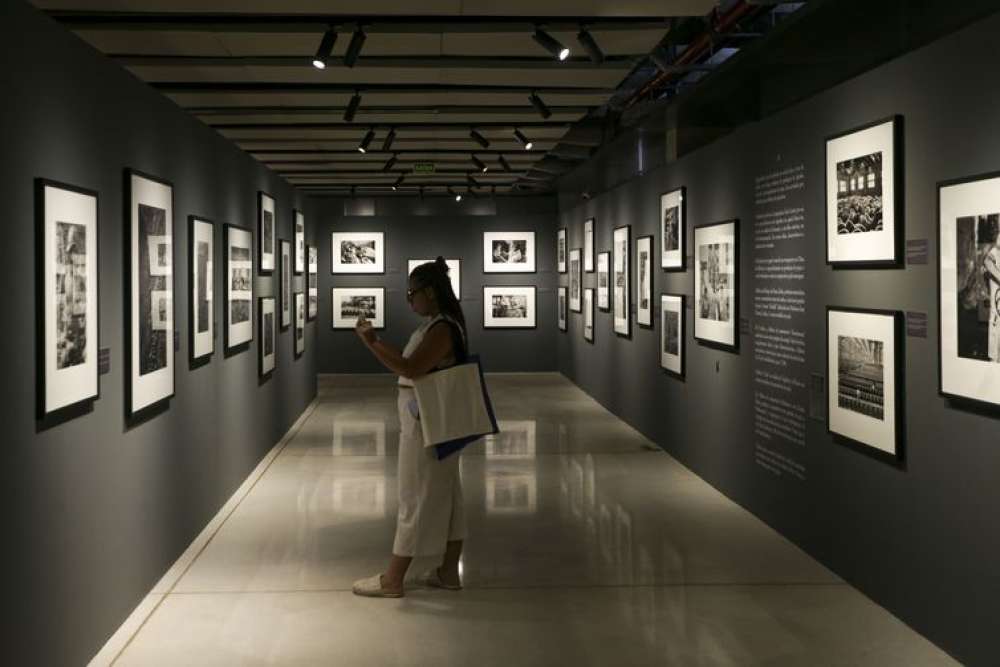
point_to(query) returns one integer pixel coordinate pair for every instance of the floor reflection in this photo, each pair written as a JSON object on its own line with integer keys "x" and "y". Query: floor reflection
{"x": 511, "y": 473}
{"x": 358, "y": 438}
{"x": 360, "y": 496}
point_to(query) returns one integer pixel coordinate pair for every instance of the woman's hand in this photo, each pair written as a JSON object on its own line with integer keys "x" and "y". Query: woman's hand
{"x": 365, "y": 331}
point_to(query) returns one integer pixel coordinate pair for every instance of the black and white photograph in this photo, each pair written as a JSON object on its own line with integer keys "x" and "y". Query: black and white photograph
{"x": 300, "y": 324}
{"x": 588, "y": 314}
{"x": 509, "y": 307}
{"x": 604, "y": 281}
{"x": 286, "y": 284}
{"x": 312, "y": 289}
{"x": 150, "y": 303}
{"x": 969, "y": 288}
{"x": 454, "y": 272}
{"x": 864, "y": 349}
{"x": 201, "y": 240}
{"x": 239, "y": 287}
{"x": 716, "y": 284}
{"x": 644, "y": 281}
{"x": 621, "y": 279}
{"x": 349, "y": 304}
{"x": 299, "y": 243}
{"x": 266, "y": 232}
{"x": 268, "y": 335}
{"x": 562, "y": 306}
{"x": 508, "y": 252}
{"x": 561, "y": 251}
{"x": 67, "y": 280}
{"x": 588, "y": 245}
{"x": 357, "y": 252}
{"x": 575, "y": 280}
{"x": 672, "y": 221}
{"x": 864, "y": 221}
{"x": 672, "y": 334}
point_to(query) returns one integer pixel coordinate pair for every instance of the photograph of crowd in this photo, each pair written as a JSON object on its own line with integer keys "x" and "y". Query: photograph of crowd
{"x": 357, "y": 306}
{"x": 859, "y": 194}
{"x": 861, "y": 376}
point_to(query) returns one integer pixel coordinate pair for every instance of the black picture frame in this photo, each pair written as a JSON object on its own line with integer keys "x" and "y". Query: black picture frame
{"x": 590, "y": 258}
{"x": 262, "y": 372}
{"x": 518, "y": 327}
{"x": 562, "y": 244}
{"x": 382, "y": 238}
{"x": 231, "y": 347}
{"x": 897, "y": 459}
{"x": 300, "y": 325}
{"x": 312, "y": 291}
{"x": 562, "y": 307}
{"x": 84, "y": 403}
{"x": 607, "y": 308}
{"x": 133, "y": 415}
{"x": 683, "y": 244}
{"x": 286, "y": 266}
{"x": 651, "y": 323}
{"x": 380, "y": 297}
{"x": 196, "y": 360}
{"x": 529, "y": 235}
{"x": 578, "y": 276}
{"x": 899, "y": 199}
{"x": 681, "y": 333}
{"x": 298, "y": 260}
{"x": 588, "y": 313}
{"x": 626, "y": 331}
{"x": 261, "y": 249}
{"x": 737, "y": 282}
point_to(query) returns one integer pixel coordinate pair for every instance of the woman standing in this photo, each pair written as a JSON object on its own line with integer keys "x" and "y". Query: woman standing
{"x": 431, "y": 518}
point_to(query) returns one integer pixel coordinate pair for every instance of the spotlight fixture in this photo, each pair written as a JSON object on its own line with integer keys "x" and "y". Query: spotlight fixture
{"x": 456, "y": 195}
{"x": 480, "y": 139}
{"x": 325, "y": 48}
{"x": 523, "y": 139}
{"x": 354, "y": 47}
{"x": 389, "y": 138}
{"x": 661, "y": 59}
{"x": 539, "y": 105}
{"x": 589, "y": 45}
{"x": 472, "y": 182}
{"x": 399, "y": 181}
{"x": 389, "y": 163}
{"x": 352, "y": 107}
{"x": 363, "y": 146}
{"x": 482, "y": 166}
{"x": 550, "y": 44}
{"x": 504, "y": 163}
{"x": 420, "y": 192}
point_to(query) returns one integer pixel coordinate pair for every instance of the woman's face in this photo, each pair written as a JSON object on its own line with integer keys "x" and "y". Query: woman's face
{"x": 420, "y": 298}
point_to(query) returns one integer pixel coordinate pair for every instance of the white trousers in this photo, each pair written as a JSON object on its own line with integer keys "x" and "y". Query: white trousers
{"x": 431, "y": 507}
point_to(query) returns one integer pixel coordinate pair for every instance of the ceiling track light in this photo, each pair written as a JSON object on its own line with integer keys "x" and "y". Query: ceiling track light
{"x": 399, "y": 181}
{"x": 523, "y": 139}
{"x": 354, "y": 47}
{"x": 389, "y": 163}
{"x": 389, "y": 138}
{"x": 472, "y": 181}
{"x": 539, "y": 105}
{"x": 480, "y": 165}
{"x": 352, "y": 107}
{"x": 363, "y": 146}
{"x": 589, "y": 45}
{"x": 325, "y": 48}
{"x": 550, "y": 44}
{"x": 480, "y": 139}
{"x": 456, "y": 195}
{"x": 504, "y": 163}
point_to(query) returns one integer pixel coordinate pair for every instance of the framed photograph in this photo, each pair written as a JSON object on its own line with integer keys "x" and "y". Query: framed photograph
{"x": 673, "y": 218}
{"x": 561, "y": 250}
{"x": 562, "y": 306}
{"x": 575, "y": 281}
{"x": 454, "y": 272}
{"x": 266, "y": 232}
{"x": 717, "y": 284}
{"x": 267, "y": 317}
{"x": 588, "y": 245}
{"x": 623, "y": 307}
{"x": 201, "y": 307}
{"x": 588, "y": 315}
{"x": 604, "y": 281}
{"x": 300, "y": 242}
{"x": 672, "y": 334}
{"x": 300, "y": 324}
{"x": 351, "y": 303}
{"x": 357, "y": 252}
{"x": 864, "y": 195}
{"x": 239, "y": 288}
{"x": 313, "y": 286}
{"x": 969, "y": 288}
{"x": 149, "y": 302}
{"x": 286, "y": 284}
{"x": 508, "y": 252}
{"x": 67, "y": 296}
{"x": 644, "y": 280}
{"x": 865, "y": 383}
{"x": 509, "y": 307}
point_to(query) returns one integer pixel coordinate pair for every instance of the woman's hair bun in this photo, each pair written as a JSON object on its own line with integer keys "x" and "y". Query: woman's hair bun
{"x": 442, "y": 264}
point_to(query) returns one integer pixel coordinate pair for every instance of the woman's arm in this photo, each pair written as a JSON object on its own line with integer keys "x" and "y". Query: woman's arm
{"x": 435, "y": 347}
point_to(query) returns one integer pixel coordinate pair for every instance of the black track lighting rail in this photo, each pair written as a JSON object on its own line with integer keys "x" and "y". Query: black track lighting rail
{"x": 282, "y": 87}
{"x": 381, "y": 109}
{"x": 618, "y": 62}
{"x": 435, "y": 125}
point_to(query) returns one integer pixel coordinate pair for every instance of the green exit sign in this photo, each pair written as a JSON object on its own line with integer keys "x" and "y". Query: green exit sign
{"x": 423, "y": 168}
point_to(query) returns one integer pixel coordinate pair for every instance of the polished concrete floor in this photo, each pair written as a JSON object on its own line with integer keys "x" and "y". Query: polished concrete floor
{"x": 586, "y": 547}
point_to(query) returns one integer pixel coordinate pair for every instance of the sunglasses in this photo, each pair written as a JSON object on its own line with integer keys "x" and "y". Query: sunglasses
{"x": 410, "y": 293}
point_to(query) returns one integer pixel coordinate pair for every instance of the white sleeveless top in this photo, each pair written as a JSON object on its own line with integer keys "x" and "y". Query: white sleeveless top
{"x": 417, "y": 337}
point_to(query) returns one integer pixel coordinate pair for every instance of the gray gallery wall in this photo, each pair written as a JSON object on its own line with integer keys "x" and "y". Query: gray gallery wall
{"x": 98, "y": 510}
{"x": 920, "y": 539}
{"x": 418, "y": 229}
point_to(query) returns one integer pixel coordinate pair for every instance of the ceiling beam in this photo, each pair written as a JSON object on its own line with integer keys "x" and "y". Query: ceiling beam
{"x": 444, "y": 125}
{"x": 435, "y": 109}
{"x": 318, "y": 23}
{"x": 394, "y": 62}
{"x": 327, "y": 88}
{"x": 404, "y": 151}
